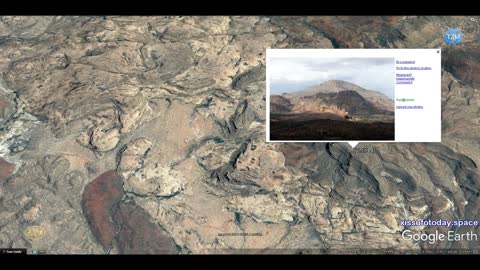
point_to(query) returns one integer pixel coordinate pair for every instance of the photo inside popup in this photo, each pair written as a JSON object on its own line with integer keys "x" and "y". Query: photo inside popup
{"x": 327, "y": 99}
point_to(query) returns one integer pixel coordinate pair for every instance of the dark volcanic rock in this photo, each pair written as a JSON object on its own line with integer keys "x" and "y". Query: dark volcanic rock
{"x": 463, "y": 64}
{"x": 138, "y": 234}
{"x": 328, "y": 129}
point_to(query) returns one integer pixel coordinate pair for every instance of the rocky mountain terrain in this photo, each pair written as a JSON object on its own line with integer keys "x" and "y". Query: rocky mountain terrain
{"x": 341, "y": 102}
{"x": 280, "y": 104}
{"x": 332, "y": 111}
{"x": 334, "y": 97}
{"x": 349, "y": 101}
{"x": 378, "y": 99}
{"x": 147, "y": 135}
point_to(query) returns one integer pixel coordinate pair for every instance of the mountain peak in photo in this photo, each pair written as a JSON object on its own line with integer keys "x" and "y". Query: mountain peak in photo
{"x": 335, "y": 96}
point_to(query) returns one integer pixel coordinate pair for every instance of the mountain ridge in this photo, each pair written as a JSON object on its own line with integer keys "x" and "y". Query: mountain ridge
{"x": 380, "y": 100}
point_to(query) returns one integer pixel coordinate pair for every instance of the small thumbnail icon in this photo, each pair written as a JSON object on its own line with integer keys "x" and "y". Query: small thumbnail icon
{"x": 453, "y": 36}
{"x": 34, "y": 232}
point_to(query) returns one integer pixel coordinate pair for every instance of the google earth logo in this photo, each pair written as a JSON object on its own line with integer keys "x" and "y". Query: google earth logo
{"x": 453, "y": 36}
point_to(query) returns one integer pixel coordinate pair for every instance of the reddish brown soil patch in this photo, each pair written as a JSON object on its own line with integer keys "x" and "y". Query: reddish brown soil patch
{"x": 99, "y": 197}
{"x": 123, "y": 225}
{"x": 297, "y": 154}
{"x": 420, "y": 148}
{"x": 138, "y": 234}
{"x": 6, "y": 169}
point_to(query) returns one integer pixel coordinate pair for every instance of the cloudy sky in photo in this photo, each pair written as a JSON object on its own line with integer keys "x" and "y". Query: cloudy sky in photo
{"x": 293, "y": 74}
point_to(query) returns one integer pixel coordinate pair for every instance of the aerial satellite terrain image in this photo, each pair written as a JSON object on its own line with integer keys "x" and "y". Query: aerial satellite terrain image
{"x": 147, "y": 135}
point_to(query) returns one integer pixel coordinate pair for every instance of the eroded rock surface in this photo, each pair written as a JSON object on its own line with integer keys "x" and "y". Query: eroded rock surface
{"x": 147, "y": 134}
